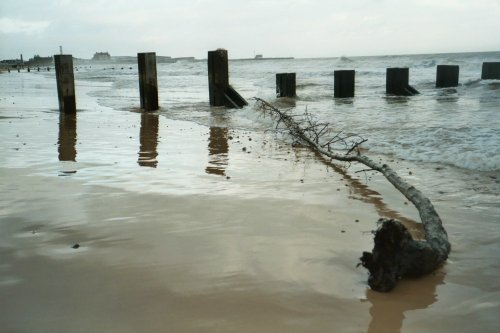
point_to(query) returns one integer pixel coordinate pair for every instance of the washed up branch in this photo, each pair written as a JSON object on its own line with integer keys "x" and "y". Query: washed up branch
{"x": 395, "y": 254}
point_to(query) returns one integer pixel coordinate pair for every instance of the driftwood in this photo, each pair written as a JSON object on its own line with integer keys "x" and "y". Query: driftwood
{"x": 395, "y": 254}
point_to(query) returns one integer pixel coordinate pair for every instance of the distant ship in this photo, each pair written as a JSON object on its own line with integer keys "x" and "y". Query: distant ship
{"x": 261, "y": 57}
{"x": 101, "y": 56}
{"x": 38, "y": 61}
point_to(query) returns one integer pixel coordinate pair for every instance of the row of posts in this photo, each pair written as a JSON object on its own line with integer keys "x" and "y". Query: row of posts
{"x": 221, "y": 93}
{"x": 397, "y": 80}
{"x": 28, "y": 69}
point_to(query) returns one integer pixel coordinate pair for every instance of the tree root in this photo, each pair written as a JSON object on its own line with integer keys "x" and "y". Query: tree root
{"x": 396, "y": 254}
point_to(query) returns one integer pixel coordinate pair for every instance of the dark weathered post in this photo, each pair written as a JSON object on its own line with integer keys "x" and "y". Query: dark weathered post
{"x": 28, "y": 70}
{"x": 491, "y": 71}
{"x": 65, "y": 82}
{"x": 218, "y": 76}
{"x": 397, "y": 82}
{"x": 344, "y": 83}
{"x": 447, "y": 76}
{"x": 219, "y": 90}
{"x": 286, "y": 85}
{"x": 148, "y": 84}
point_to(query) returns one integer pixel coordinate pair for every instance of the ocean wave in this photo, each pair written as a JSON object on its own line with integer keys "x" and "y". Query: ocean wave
{"x": 346, "y": 59}
{"x": 426, "y": 64}
{"x": 467, "y": 148}
{"x": 308, "y": 85}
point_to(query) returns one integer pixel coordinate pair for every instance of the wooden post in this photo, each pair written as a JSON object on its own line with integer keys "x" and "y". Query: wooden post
{"x": 286, "y": 85}
{"x": 491, "y": 71}
{"x": 218, "y": 76}
{"x": 447, "y": 76}
{"x": 65, "y": 83}
{"x": 397, "y": 82}
{"x": 148, "y": 84}
{"x": 344, "y": 83}
{"x": 219, "y": 90}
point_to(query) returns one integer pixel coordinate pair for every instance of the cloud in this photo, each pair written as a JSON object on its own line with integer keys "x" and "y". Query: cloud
{"x": 299, "y": 28}
{"x": 15, "y": 26}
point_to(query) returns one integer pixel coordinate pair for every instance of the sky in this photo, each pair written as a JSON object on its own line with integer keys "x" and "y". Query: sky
{"x": 274, "y": 28}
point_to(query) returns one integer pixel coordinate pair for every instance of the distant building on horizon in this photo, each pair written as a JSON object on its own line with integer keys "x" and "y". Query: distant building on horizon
{"x": 39, "y": 61}
{"x": 101, "y": 56}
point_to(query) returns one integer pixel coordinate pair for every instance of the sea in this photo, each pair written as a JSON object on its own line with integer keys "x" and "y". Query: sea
{"x": 201, "y": 218}
{"x": 458, "y": 126}
{"x": 452, "y": 129}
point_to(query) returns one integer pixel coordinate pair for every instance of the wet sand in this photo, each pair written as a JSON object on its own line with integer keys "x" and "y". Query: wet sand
{"x": 184, "y": 227}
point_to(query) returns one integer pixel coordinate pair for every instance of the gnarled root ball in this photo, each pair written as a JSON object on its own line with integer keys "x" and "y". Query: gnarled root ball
{"x": 397, "y": 255}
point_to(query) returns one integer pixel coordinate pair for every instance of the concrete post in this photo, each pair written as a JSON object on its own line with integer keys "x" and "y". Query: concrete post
{"x": 65, "y": 83}
{"x": 397, "y": 82}
{"x": 218, "y": 76}
{"x": 344, "y": 83}
{"x": 447, "y": 76}
{"x": 491, "y": 71}
{"x": 286, "y": 85}
{"x": 148, "y": 84}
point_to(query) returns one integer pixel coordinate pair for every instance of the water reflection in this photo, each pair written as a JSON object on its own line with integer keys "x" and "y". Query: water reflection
{"x": 148, "y": 140}
{"x": 388, "y": 309}
{"x": 286, "y": 102}
{"x": 392, "y": 99}
{"x": 447, "y": 95}
{"x": 218, "y": 149}
{"x": 343, "y": 101}
{"x": 67, "y": 137}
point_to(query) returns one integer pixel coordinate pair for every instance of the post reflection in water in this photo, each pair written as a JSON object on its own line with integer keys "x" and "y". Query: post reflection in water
{"x": 388, "y": 309}
{"x": 67, "y": 137}
{"x": 218, "y": 149}
{"x": 148, "y": 140}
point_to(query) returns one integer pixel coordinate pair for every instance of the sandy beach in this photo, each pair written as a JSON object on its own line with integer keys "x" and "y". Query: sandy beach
{"x": 184, "y": 227}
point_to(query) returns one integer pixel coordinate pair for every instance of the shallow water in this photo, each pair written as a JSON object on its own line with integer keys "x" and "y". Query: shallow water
{"x": 200, "y": 219}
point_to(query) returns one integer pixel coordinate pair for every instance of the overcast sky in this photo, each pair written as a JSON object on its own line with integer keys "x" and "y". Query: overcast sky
{"x": 298, "y": 28}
